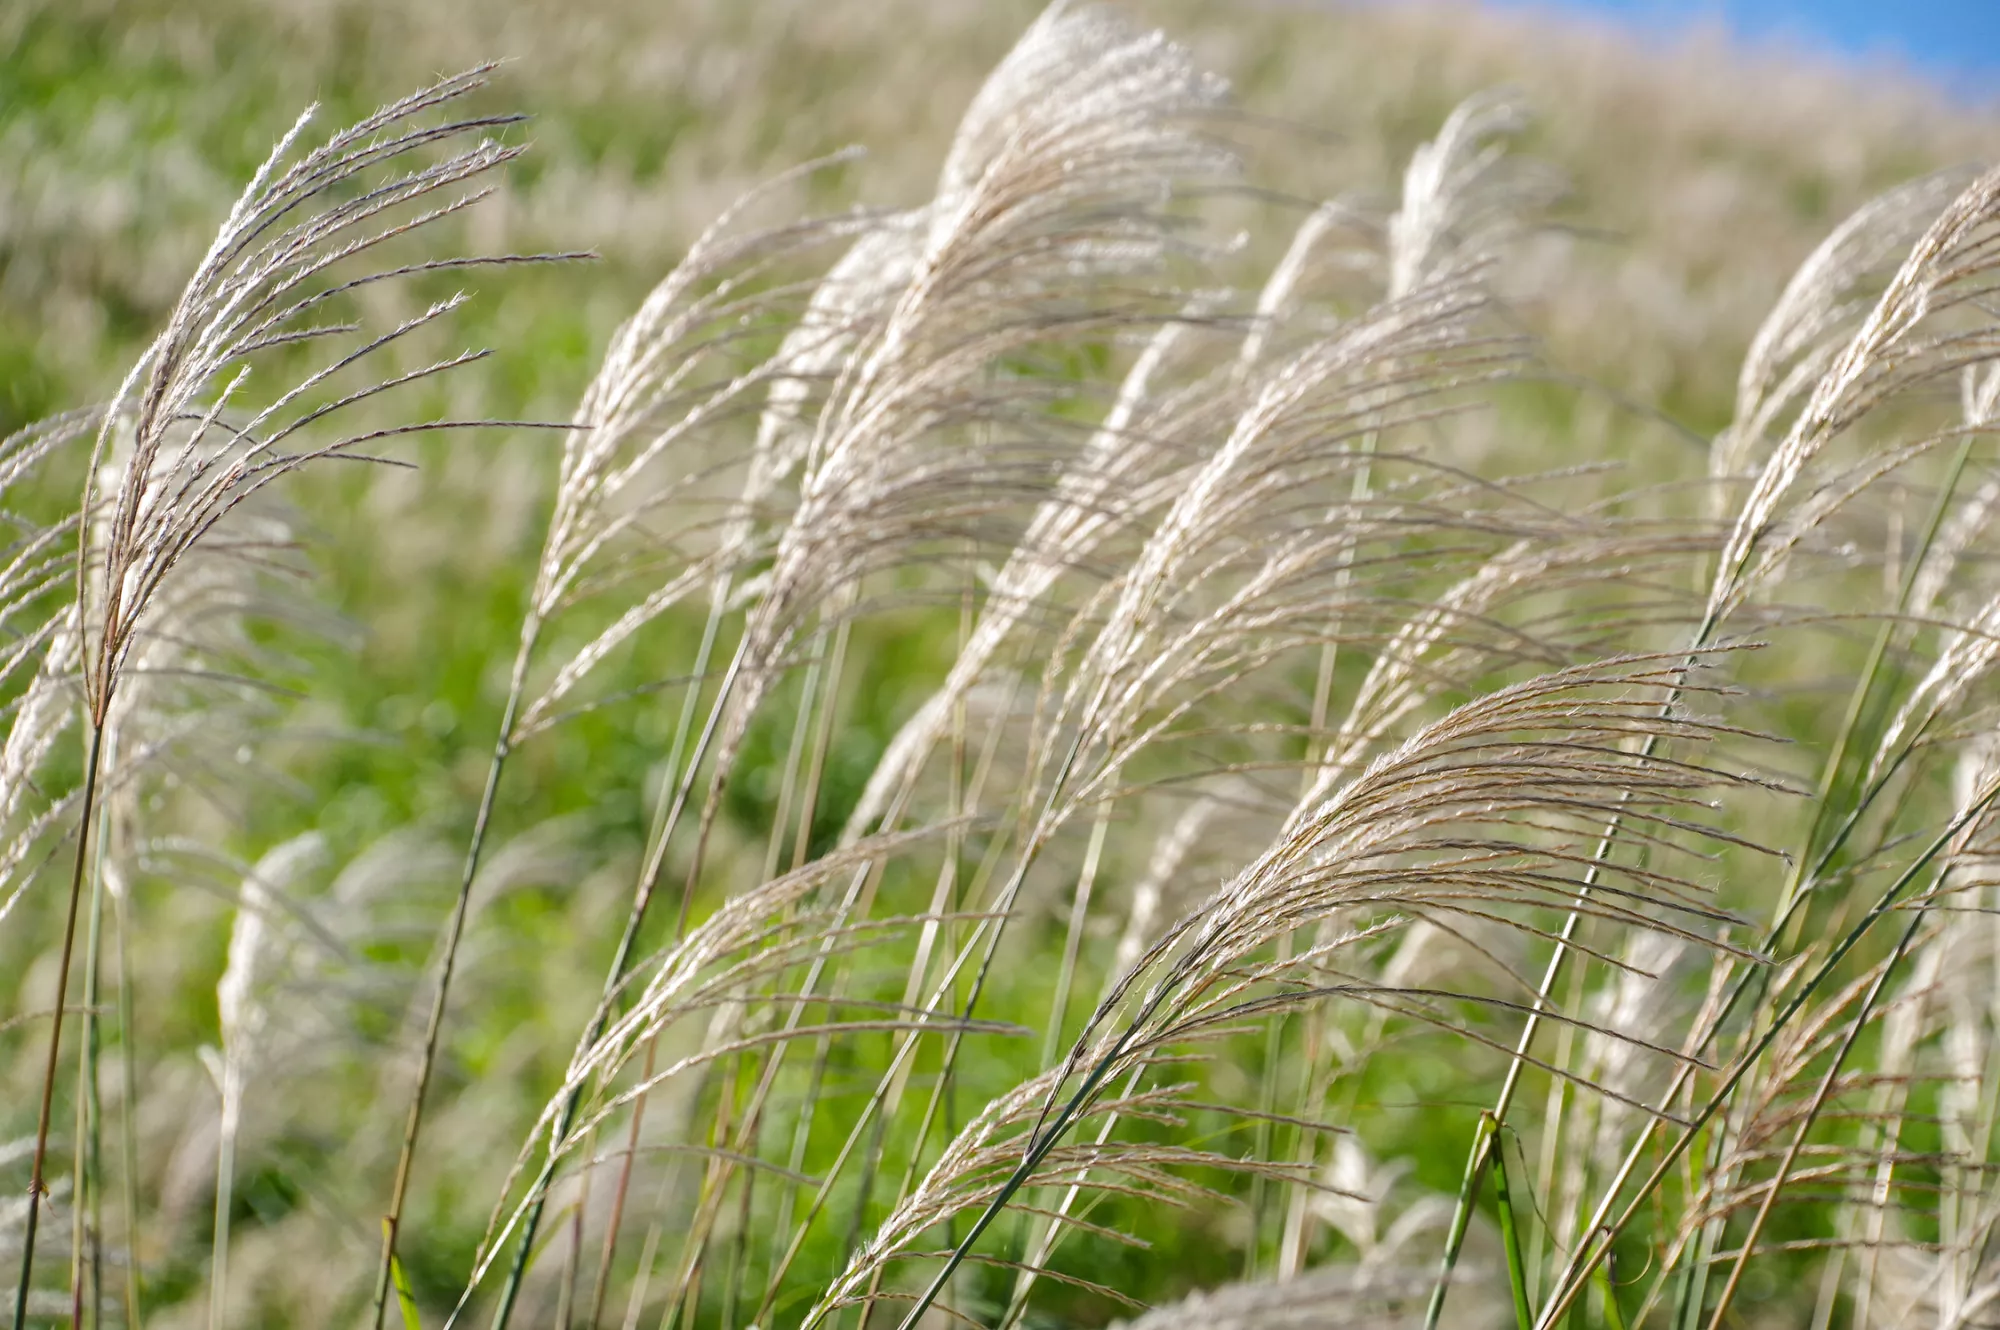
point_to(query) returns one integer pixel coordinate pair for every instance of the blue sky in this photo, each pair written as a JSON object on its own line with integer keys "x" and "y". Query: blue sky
{"x": 1957, "y": 40}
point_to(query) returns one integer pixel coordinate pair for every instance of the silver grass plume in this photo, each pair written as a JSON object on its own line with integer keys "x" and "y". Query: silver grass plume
{"x": 1908, "y": 338}
{"x": 1128, "y": 460}
{"x": 1055, "y": 185}
{"x": 1394, "y": 365}
{"x": 642, "y": 439}
{"x": 1485, "y": 813}
{"x": 279, "y": 262}
{"x": 1071, "y": 155}
{"x": 299, "y": 241}
{"x": 1465, "y": 195}
{"x": 1816, "y": 313}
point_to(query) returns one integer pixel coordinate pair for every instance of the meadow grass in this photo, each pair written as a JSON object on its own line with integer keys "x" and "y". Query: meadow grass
{"x": 1329, "y": 698}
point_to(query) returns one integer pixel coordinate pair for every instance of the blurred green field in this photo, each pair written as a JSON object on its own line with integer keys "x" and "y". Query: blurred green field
{"x": 1698, "y": 178}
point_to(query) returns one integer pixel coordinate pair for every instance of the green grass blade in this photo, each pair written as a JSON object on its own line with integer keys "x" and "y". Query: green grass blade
{"x": 406, "y": 1301}
{"x": 1510, "y": 1235}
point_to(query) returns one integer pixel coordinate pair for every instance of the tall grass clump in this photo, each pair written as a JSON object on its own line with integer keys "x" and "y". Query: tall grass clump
{"x": 1115, "y": 762}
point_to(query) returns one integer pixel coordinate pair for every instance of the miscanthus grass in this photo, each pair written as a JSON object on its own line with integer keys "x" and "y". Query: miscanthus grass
{"x": 1337, "y": 868}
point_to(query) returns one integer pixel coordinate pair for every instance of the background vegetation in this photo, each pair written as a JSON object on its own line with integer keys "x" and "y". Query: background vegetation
{"x": 285, "y": 859}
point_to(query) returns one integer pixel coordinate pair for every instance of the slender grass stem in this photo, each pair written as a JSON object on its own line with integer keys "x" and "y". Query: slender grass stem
{"x": 128, "y": 1107}
{"x": 1086, "y": 878}
{"x": 1607, "y": 1294}
{"x": 1858, "y": 1022}
{"x": 675, "y": 798}
{"x": 454, "y": 932}
{"x": 1296, "y": 1235}
{"x": 1604, "y": 1230}
{"x": 822, "y": 737}
{"x": 1477, "y": 1160}
{"x": 38, "y": 1178}
{"x": 225, "y": 1197}
{"x": 1475, "y": 1166}
{"x": 86, "y": 1219}
{"x": 1038, "y": 1149}
{"x": 989, "y": 929}
{"x": 1052, "y": 1224}
{"x": 683, "y": 728}
{"x": 814, "y": 700}
{"x": 1554, "y": 1108}
{"x": 819, "y": 698}
{"x": 1510, "y": 1236}
{"x": 1827, "y": 835}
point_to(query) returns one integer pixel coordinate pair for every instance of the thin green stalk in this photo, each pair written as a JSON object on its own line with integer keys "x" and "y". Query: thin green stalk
{"x": 86, "y": 1215}
{"x": 225, "y": 1194}
{"x": 38, "y": 1178}
{"x": 962, "y": 797}
{"x": 858, "y": 896}
{"x": 683, "y": 727}
{"x": 888, "y": 1086}
{"x": 1038, "y": 1149}
{"x": 1553, "y": 1112}
{"x": 1476, "y": 1162}
{"x": 1462, "y": 1207}
{"x": 1886, "y": 1110}
{"x": 801, "y": 1139}
{"x": 871, "y": 1165}
{"x": 635, "y": 1300}
{"x": 1826, "y": 1085}
{"x": 1700, "y": 640}
{"x": 128, "y": 1100}
{"x": 1295, "y": 1235}
{"x": 1510, "y": 1235}
{"x": 454, "y": 931}
{"x": 677, "y": 792}
{"x": 1086, "y": 877}
{"x": 819, "y": 699}
{"x": 1261, "y": 1132}
{"x": 573, "y": 1254}
{"x": 822, "y": 737}
{"x": 1603, "y": 1230}
{"x": 1822, "y": 844}
{"x": 890, "y": 1089}
{"x": 949, "y": 897}
{"x": 1051, "y": 1224}
{"x": 713, "y": 1193}
{"x": 739, "y": 1250}
{"x": 1691, "y": 1290}
{"x": 795, "y": 752}
{"x": 1000, "y": 914}
{"x": 1058, "y": 1122}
